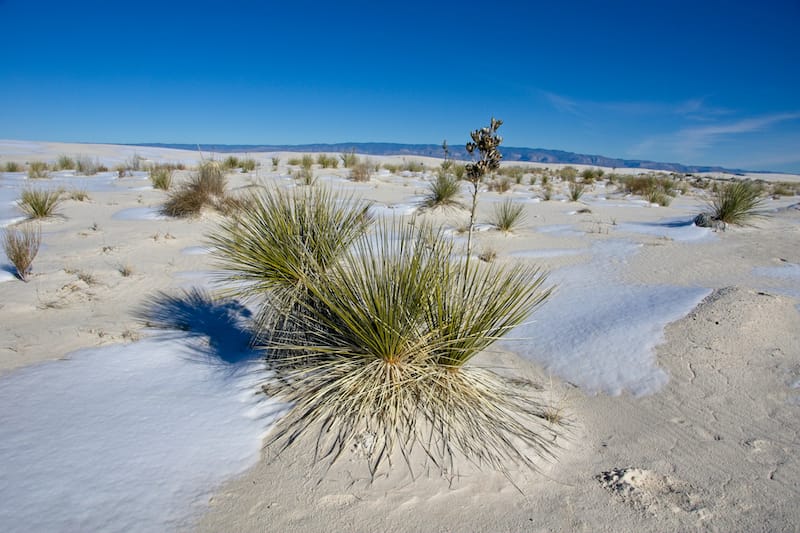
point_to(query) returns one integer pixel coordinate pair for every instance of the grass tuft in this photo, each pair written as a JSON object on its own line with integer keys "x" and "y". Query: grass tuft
{"x": 443, "y": 192}
{"x": 508, "y": 216}
{"x": 12, "y": 166}
{"x": 161, "y": 177}
{"x": 205, "y": 187}
{"x": 37, "y": 170}
{"x": 736, "y": 203}
{"x": 40, "y": 203}
{"x": 21, "y": 247}
{"x": 576, "y": 190}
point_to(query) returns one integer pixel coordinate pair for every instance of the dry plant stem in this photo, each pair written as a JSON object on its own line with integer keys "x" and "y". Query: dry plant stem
{"x": 21, "y": 248}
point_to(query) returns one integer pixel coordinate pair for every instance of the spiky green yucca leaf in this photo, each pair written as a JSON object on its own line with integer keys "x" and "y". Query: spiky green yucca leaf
{"x": 508, "y": 215}
{"x": 39, "y": 203}
{"x": 284, "y": 241}
{"x": 443, "y": 192}
{"x": 736, "y": 202}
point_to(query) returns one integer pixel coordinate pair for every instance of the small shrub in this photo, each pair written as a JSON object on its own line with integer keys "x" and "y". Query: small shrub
{"x": 305, "y": 176}
{"x": 736, "y": 203}
{"x": 84, "y": 165}
{"x": 514, "y": 173}
{"x": 391, "y": 167}
{"x": 248, "y": 165}
{"x": 275, "y": 162}
{"x": 64, "y": 162}
{"x": 161, "y": 177}
{"x": 349, "y": 159}
{"x": 204, "y": 188}
{"x": 658, "y": 196}
{"x": 293, "y": 161}
{"x": 306, "y": 162}
{"x": 326, "y": 161}
{"x": 508, "y": 216}
{"x": 500, "y": 185}
{"x": 13, "y": 166}
{"x": 230, "y": 163}
{"x": 39, "y": 203}
{"x": 443, "y": 192}
{"x": 568, "y": 173}
{"x": 547, "y": 193}
{"x": 361, "y": 171}
{"x": 784, "y": 188}
{"x": 413, "y": 166}
{"x": 37, "y": 170}
{"x": 125, "y": 270}
{"x": 134, "y": 162}
{"x": 210, "y": 178}
{"x": 488, "y": 255}
{"x": 21, "y": 247}
{"x": 122, "y": 171}
{"x": 185, "y": 201}
{"x": 458, "y": 171}
{"x": 79, "y": 195}
{"x": 576, "y": 191}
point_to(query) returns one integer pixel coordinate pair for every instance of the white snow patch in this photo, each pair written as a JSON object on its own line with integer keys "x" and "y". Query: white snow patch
{"x": 599, "y": 332}
{"x": 140, "y": 213}
{"x": 677, "y": 229}
{"x": 128, "y": 437}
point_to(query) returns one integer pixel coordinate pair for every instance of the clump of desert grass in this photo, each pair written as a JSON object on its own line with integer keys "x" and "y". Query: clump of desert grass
{"x": 64, "y": 162}
{"x": 733, "y": 203}
{"x": 369, "y": 330}
{"x": 161, "y": 177}
{"x": 21, "y": 246}
{"x": 86, "y": 166}
{"x": 576, "y": 190}
{"x": 442, "y": 192}
{"x": 508, "y": 216}
{"x": 361, "y": 171}
{"x": 78, "y": 195}
{"x": 40, "y": 203}
{"x": 12, "y": 166}
{"x": 38, "y": 170}
{"x": 204, "y": 188}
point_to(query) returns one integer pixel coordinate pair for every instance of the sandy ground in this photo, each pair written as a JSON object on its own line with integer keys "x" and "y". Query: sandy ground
{"x": 715, "y": 449}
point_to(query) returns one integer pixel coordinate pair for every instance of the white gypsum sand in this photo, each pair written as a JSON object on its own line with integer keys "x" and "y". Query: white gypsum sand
{"x": 703, "y": 432}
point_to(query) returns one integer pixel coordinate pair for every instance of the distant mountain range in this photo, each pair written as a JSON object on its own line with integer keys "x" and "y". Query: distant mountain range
{"x": 534, "y": 155}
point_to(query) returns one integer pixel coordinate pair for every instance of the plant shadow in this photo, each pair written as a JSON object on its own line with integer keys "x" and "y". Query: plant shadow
{"x": 196, "y": 313}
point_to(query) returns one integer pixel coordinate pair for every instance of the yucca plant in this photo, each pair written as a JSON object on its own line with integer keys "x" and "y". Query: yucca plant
{"x": 736, "y": 203}
{"x": 442, "y": 192}
{"x": 37, "y": 170}
{"x": 371, "y": 331}
{"x": 161, "y": 177}
{"x": 380, "y": 345}
{"x": 40, "y": 203}
{"x": 284, "y": 241}
{"x": 21, "y": 247}
{"x": 508, "y": 215}
{"x": 64, "y": 162}
{"x": 576, "y": 190}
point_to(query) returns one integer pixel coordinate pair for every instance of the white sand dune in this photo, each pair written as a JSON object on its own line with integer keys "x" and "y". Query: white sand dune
{"x": 674, "y": 350}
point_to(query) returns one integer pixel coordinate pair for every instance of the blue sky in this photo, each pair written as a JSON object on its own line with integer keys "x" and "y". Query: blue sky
{"x": 695, "y": 82}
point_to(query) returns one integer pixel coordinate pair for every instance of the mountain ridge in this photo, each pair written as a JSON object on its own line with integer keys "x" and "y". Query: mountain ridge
{"x": 522, "y": 154}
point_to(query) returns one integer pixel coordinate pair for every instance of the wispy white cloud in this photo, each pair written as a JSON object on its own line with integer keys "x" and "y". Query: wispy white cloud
{"x": 694, "y": 141}
{"x": 562, "y": 103}
{"x": 694, "y": 108}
